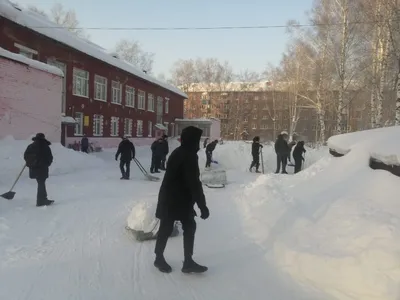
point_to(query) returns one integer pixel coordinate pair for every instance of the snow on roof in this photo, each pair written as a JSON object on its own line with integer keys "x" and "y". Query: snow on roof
{"x": 30, "y": 62}
{"x": 381, "y": 143}
{"x": 43, "y": 26}
{"x": 68, "y": 120}
{"x": 160, "y": 126}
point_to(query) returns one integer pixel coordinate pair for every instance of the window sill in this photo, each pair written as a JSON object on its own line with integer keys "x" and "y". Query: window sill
{"x": 149, "y": 136}
{"x": 128, "y": 135}
{"x": 114, "y": 135}
{"x": 98, "y": 135}
{"x": 116, "y": 103}
{"x": 150, "y": 110}
{"x": 141, "y": 108}
{"x": 101, "y": 100}
{"x": 130, "y": 106}
{"x": 81, "y": 96}
{"x": 139, "y": 135}
{"x": 78, "y": 135}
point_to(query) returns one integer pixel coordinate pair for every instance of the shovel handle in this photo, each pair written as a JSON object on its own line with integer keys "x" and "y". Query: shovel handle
{"x": 18, "y": 177}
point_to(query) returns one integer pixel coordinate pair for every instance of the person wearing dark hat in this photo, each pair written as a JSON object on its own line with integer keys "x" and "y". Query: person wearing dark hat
{"x": 157, "y": 152}
{"x": 165, "y": 150}
{"x": 127, "y": 151}
{"x": 38, "y": 158}
{"x": 180, "y": 190}
{"x": 255, "y": 152}
{"x": 209, "y": 151}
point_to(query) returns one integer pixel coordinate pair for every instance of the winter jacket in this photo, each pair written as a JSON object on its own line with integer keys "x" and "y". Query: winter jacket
{"x": 181, "y": 187}
{"x": 38, "y": 157}
{"x": 211, "y": 147}
{"x": 127, "y": 150}
{"x": 281, "y": 146}
{"x": 85, "y": 143}
{"x": 157, "y": 148}
{"x": 205, "y": 142}
{"x": 255, "y": 148}
{"x": 298, "y": 151}
{"x": 164, "y": 147}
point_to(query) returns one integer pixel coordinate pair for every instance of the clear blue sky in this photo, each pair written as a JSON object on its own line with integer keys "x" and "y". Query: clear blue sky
{"x": 245, "y": 49}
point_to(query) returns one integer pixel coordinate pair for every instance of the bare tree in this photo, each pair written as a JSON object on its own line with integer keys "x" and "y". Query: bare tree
{"x": 132, "y": 52}
{"x": 64, "y": 17}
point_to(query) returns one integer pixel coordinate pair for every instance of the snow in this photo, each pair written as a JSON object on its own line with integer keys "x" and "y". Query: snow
{"x": 329, "y": 232}
{"x": 30, "y": 62}
{"x": 381, "y": 144}
{"x": 38, "y": 23}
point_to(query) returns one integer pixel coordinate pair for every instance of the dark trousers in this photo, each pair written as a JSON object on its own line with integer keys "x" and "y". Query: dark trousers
{"x": 281, "y": 159}
{"x": 297, "y": 165}
{"x": 85, "y": 149}
{"x": 155, "y": 163}
{"x": 162, "y": 163}
{"x": 165, "y": 231}
{"x": 208, "y": 159}
{"x": 125, "y": 167}
{"x": 255, "y": 162}
{"x": 41, "y": 191}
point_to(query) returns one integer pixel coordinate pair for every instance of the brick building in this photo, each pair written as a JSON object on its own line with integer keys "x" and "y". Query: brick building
{"x": 107, "y": 96}
{"x": 249, "y": 109}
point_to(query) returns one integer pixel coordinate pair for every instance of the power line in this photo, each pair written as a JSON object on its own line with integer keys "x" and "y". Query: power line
{"x": 204, "y": 28}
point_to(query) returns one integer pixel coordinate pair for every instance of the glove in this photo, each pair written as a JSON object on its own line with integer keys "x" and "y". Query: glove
{"x": 205, "y": 213}
{"x": 116, "y": 158}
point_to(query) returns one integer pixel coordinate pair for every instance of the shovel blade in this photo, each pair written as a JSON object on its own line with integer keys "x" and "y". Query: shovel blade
{"x": 152, "y": 178}
{"x": 9, "y": 195}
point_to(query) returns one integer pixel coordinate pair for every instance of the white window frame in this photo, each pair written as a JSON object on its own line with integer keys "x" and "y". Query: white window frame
{"x": 98, "y": 120}
{"x": 166, "y": 124}
{"x": 139, "y": 128}
{"x": 114, "y": 126}
{"x": 83, "y": 82}
{"x": 150, "y": 128}
{"x": 150, "y": 102}
{"x": 128, "y": 125}
{"x": 254, "y": 126}
{"x": 166, "y": 109}
{"x": 141, "y": 99}
{"x": 26, "y": 51}
{"x": 116, "y": 92}
{"x": 79, "y": 117}
{"x": 129, "y": 96}
{"x": 102, "y": 86}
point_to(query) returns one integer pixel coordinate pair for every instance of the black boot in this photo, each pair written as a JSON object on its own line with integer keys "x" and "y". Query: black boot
{"x": 161, "y": 264}
{"x": 44, "y": 202}
{"x": 190, "y": 266}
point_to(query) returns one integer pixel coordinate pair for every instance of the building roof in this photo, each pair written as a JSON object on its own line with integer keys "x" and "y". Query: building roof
{"x": 30, "y": 62}
{"x": 43, "y": 26}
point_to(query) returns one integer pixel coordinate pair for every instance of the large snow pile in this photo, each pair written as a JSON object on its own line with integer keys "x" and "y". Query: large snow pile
{"x": 335, "y": 227}
{"x": 142, "y": 216}
{"x": 65, "y": 160}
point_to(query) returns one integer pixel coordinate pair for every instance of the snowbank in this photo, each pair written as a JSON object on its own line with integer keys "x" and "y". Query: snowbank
{"x": 142, "y": 216}
{"x": 382, "y": 144}
{"x": 334, "y": 227}
{"x": 65, "y": 160}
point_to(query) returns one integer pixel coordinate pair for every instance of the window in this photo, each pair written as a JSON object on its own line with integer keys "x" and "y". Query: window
{"x": 114, "y": 126}
{"x": 80, "y": 83}
{"x": 166, "y": 124}
{"x": 256, "y": 98}
{"x": 97, "y": 125}
{"x": 139, "y": 128}
{"x": 254, "y": 126}
{"x": 246, "y": 119}
{"x": 166, "y": 105}
{"x": 25, "y": 51}
{"x": 100, "y": 88}
{"x": 264, "y": 117}
{"x": 79, "y": 123}
{"x": 129, "y": 96}
{"x": 116, "y": 96}
{"x": 150, "y": 125}
{"x": 255, "y": 117}
{"x": 150, "y": 102}
{"x": 128, "y": 127}
{"x": 141, "y": 99}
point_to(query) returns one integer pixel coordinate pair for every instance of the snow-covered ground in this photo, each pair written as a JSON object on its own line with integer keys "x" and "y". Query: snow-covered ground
{"x": 329, "y": 232}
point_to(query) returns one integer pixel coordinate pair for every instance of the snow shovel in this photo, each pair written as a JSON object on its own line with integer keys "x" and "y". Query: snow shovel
{"x": 148, "y": 176}
{"x": 262, "y": 161}
{"x": 10, "y": 194}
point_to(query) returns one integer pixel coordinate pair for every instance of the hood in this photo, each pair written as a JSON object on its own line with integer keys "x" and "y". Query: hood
{"x": 300, "y": 144}
{"x": 280, "y": 137}
{"x": 190, "y": 138}
{"x": 40, "y": 138}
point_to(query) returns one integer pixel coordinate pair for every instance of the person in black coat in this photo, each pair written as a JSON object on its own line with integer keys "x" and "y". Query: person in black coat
{"x": 127, "y": 151}
{"x": 157, "y": 152}
{"x": 255, "y": 152}
{"x": 85, "y": 144}
{"x": 282, "y": 150}
{"x": 298, "y": 156}
{"x": 38, "y": 159}
{"x": 205, "y": 143}
{"x": 165, "y": 150}
{"x": 209, "y": 150}
{"x": 180, "y": 190}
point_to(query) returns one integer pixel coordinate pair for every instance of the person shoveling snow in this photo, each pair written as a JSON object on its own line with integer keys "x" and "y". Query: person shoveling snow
{"x": 143, "y": 224}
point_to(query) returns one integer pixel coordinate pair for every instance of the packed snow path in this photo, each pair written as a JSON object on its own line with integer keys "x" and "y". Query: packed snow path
{"x": 78, "y": 248}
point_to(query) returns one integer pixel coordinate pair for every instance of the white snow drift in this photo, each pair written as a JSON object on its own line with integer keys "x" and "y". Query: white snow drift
{"x": 335, "y": 227}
